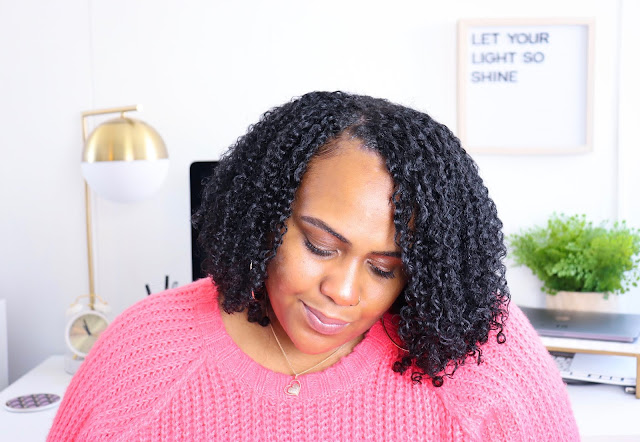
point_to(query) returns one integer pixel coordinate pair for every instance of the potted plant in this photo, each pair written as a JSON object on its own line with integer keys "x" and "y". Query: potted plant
{"x": 576, "y": 260}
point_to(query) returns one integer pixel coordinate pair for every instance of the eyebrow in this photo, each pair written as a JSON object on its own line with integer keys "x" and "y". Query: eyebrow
{"x": 322, "y": 225}
{"x": 390, "y": 254}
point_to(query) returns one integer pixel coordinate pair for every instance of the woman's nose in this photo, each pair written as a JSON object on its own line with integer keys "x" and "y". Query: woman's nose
{"x": 340, "y": 283}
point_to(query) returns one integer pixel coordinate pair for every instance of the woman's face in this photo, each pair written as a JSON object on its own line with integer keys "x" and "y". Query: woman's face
{"x": 338, "y": 268}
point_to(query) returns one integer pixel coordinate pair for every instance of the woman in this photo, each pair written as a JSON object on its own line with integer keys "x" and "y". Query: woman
{"x": 357, "y": 291}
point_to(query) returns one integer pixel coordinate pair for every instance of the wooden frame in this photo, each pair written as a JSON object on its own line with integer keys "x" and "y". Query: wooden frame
{"x": 598, "y": 348}
{"x": 525, "y": 86}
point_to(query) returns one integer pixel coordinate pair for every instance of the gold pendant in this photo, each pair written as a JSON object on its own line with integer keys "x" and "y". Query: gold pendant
{"x": 294, "y": 387}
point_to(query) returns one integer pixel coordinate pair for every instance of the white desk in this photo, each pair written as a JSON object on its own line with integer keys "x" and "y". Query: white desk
{"x": 604, "y": 412}
{"x": 48, "y": 377}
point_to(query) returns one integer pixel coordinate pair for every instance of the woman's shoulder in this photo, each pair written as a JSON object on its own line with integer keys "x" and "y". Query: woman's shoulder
{"x": 143, "y": 353}
{"x": 516, "y": 389}
{"x": 521, "y": 348}
{"x": 180, "y": 300}
{"x": 166, "y": 318}
{"x": 177, "y": 303}
{"x": 161, "y": 327}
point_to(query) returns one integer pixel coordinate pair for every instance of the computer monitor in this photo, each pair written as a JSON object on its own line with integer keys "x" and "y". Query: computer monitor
{"x": 198, "y": 174}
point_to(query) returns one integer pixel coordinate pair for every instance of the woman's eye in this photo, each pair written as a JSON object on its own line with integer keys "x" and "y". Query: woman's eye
{"x": 383, "y": 273}
{"x": 315, "y": 250}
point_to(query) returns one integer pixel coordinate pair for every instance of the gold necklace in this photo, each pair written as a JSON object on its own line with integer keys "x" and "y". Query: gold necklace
{"x": 294, "y": 386}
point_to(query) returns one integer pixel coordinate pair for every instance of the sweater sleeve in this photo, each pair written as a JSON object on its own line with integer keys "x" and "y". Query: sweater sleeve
{"x": 515, "y": 394}
{"x": 130, "y": 370}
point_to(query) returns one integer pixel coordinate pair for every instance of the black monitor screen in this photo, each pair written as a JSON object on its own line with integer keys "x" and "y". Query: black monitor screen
{"x": 198, "y": 174}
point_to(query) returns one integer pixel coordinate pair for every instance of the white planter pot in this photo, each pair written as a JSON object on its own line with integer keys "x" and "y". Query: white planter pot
{"x": 583, "y": 301}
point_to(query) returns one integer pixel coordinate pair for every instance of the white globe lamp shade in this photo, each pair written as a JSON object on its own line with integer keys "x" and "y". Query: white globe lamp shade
{"x": 126, "y": 181}
{"x": 125, "y": 160}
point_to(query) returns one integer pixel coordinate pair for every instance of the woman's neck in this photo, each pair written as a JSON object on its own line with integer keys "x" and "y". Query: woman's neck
{"x": 261, "y": 345}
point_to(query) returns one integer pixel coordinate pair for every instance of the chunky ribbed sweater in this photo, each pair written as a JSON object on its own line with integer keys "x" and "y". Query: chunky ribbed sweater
{"x": 166, "y": 369}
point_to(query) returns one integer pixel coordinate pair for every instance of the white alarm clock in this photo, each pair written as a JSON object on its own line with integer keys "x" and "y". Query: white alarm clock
{"x": 84, "y": 327}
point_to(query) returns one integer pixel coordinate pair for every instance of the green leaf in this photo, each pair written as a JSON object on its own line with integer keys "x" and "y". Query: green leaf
{"x": 570, "y": 253}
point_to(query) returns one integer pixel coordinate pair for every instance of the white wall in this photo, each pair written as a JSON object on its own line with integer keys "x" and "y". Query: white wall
{"x": 4, "y": 352}
{"x": 45, "y": 81}
{"x": 204, "y": 71}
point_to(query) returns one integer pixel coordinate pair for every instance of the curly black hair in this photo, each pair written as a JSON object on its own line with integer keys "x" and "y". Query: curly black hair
{"x": 447, "y": 226}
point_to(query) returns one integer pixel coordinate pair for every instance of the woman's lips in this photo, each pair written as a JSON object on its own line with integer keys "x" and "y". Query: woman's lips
{"x": 323, "y": 324}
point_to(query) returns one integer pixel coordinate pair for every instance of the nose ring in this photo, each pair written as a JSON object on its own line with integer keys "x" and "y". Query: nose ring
{"x": 353, "y": 305}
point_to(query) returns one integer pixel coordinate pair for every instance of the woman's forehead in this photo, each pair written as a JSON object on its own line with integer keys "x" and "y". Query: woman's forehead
{"x": 351, "y": 191}
{"x": 349, "y": 163}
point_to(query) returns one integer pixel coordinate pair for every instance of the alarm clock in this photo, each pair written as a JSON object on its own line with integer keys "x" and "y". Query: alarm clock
{"x": 83, "y": 330}
{"x": 84, "y": 327}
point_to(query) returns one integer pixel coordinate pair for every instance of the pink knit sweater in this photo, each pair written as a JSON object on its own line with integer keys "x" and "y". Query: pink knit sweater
{"x": 167, "y": 370}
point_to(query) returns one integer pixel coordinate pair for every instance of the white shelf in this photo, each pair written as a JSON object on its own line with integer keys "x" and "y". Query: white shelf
{"x": 592, "y": 346}
{"x": 597, "y": 347}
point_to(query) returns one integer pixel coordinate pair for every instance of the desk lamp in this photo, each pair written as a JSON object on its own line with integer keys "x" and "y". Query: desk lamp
{"x": 123, "y": 160}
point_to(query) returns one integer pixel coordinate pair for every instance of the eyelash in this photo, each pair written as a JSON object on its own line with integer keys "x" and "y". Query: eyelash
{"x": 320, "y": 252}
{"x": 382, "y": 273}
{"x": 315, "y": 250}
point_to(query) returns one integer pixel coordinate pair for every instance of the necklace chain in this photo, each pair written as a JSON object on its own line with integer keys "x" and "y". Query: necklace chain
{"x": 289, "y": 362}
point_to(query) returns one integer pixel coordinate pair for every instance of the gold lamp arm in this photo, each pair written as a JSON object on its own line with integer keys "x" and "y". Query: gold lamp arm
{"x": 87, "y": 196}
{"x": 112, "y": 110}
{"x": 87, "y": 203}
